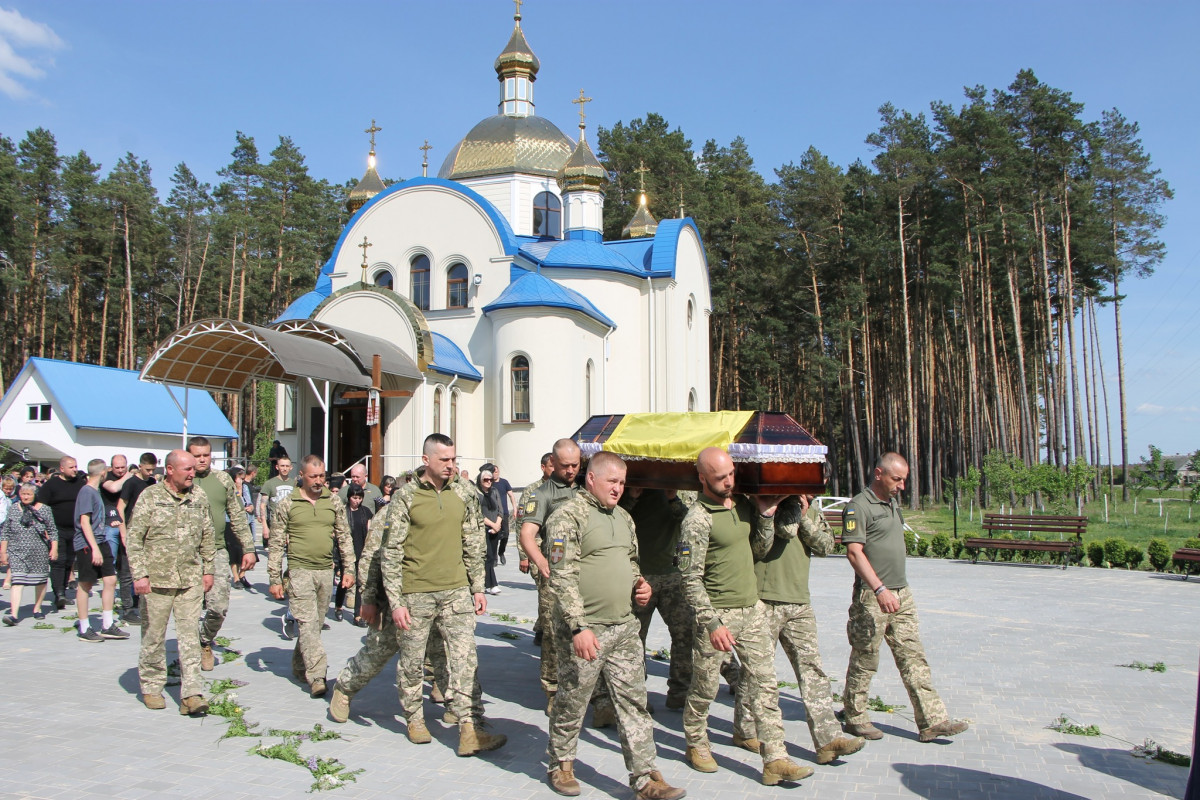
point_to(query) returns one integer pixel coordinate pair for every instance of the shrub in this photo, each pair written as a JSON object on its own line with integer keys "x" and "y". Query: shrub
{"x": 940, "y": 545}
{"x": 956, "y": 547}
{"x": 910, "y": 543}
{"x": 1159, "y": 553}
{"x": 1114, "y": 551}
{"x": 1189, "y": 567}
{"x": 1095, "y": 553}
{"x": 1133, "y": 557}
{"x": 923, "y": 546}
{"x": 1003, "y": 555}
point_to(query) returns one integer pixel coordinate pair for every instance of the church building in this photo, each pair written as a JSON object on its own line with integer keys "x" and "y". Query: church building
{"x": 499, "y": 314}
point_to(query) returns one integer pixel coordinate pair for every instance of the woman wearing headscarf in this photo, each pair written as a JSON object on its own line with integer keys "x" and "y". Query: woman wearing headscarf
{"x": 489, "y": 504}
{"x": 28, "y": 543}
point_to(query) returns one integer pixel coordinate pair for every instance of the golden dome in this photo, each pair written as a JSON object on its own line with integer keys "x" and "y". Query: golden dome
{"x": 368, "y": 186}
{"x": 582, "y": 170}
{"x": 517, "y": 55}
{"x": 642, "y": 224}
{"x": 502, "y": 145}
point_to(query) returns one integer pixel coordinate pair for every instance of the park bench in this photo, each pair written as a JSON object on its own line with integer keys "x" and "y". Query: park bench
{"x": 1039, "y": 525}
{"x": 834, "y": 517}
{"x": 1186, "y": 554}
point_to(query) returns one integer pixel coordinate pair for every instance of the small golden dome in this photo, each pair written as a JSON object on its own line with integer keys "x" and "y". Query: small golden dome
{"x": 517, "y": 56}
{"x": 502, "y": 145}
{"x": 368, "y": 186}
{"x": 582, "y": 170}
{"x": 642, "y": 224}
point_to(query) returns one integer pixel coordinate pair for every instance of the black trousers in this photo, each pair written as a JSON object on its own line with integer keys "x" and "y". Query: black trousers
{"x": 60, "y": 568}
{"x": 489, "y": 571}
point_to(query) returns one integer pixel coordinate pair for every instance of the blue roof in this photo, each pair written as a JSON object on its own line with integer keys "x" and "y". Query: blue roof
{"x": 104, "y": 398}
{"x": 450, "y": 360}
{"x": 534, "y": 289}
{"x": 577, "y": 253}
{"x": 304, "y": 305}
{"x": 666, "y": 243}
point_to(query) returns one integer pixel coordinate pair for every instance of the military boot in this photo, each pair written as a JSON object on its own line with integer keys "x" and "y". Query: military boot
{"x": 949, "y": 727}
{"x": 562, "y": 780}
{"x": 193, "y": 706}
{"x": 752, "y": 744}
{"x": 864, "y": 729}
{"x": 604, "y": 715}
{"x": 701, "y": 760}
{"x": 472, "y": 740}
{"x": 207, "y": 662}
{"x": 658, "y": 789}
{"x": 154, "y": 701}
{"x": 339, "y": 705}
{"x": 417, "y": 732}
{"x": 784, "y": 769}
{"x": 317, "y": 688}
{"x": 436, "y": 694}
{"x": 841, "y": 746}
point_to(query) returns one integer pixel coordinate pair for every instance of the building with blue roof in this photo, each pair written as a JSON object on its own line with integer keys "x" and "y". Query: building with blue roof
{"x": 62, "y": 408}
{"x": 509, "y": 319}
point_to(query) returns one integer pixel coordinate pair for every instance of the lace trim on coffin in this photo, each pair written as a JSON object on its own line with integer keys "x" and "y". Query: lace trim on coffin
{"x": 745, "y": 453}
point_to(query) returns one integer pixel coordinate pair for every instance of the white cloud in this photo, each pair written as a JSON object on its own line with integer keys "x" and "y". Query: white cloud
{"x": 19, "y": 33}
{"x": 1153, "y": 410}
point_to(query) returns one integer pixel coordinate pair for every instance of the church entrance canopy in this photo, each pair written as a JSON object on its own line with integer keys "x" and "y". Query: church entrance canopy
{"x": 223, "y": 355}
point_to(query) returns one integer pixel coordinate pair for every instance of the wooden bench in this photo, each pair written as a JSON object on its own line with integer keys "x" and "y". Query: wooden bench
{"x": 834, "y": 518}
{"x": 1186, "y": 554}
{"x": 1032, "y": 525}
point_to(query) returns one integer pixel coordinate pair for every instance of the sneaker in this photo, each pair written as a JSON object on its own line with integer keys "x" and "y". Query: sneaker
{"x": 113, "y": 632}
{"x": 10, "y": 620}
{"x": 133, "y": 617}
{"x": 494, "y": 590}
{"x": 503, "y": 560}
{"x": 60, "y": 603}
{"x": 39, "y": 615}
{"x": 89, "y": 636}
{"x": 289, "y": 627}
{"x": 324, "y": 626}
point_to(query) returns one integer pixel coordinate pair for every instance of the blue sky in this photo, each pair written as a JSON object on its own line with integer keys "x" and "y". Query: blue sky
{"x": 173, "y": 81}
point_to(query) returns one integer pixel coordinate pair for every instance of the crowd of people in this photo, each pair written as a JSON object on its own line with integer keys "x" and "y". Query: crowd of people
{"x": 412, "y": 561}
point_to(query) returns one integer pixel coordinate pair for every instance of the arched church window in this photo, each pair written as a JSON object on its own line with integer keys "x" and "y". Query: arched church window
{"x": 520, "y": 389}
{"x": 420, "y": 282}
{"x": 691, "y": 311}
{"x": 587, "y": 390}
{"x": 454, "y": 415}
{"x": 383, "y": 279}
{"x": 547, "y": 215}
{"x": 456, "y": 286}
{"x": 692, "y": 400}
{"x": 437, "y": 410}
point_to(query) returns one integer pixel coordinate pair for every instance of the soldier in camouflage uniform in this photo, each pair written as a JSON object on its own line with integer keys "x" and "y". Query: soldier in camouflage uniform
{"x": 594, "y": 576}
{"x": 534, "y": 509}
{"x": 719, "y": 540}
{"x": 882, "y": 607}
{"x": 306, "y": 526}
{"x": 432, "y": 564}
{"x": 170, "y": 543}
{"x": 656, "y": 516}
{"x": 224, "y": 500}
{"x": 527, "y": 495}
{"x": 800, "y": 532}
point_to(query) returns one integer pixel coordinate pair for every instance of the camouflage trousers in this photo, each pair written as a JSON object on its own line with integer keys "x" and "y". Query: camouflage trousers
{"x": 756, "y": 650}
{"x": 452, "y": 612}
{"x": 867, "y": 627}
{"x": 439, "y": 673}
{"x": 157, "y": 608}
{"x": 308, "y": 598}
{"x": 216, "y": 599}
{"x": 548, "y": 668}
{"x": 672, "y": 605}
{"x": 621, "y": 662}
{"x": 377, "y": 650}
{"x": 794, "y": 626}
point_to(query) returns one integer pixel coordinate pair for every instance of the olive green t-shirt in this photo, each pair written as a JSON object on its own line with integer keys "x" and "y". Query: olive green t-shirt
{"x": 545, "y": 500}
{"x": 783, "y": 572}
{"x": 215, "y": 490}
{"x": 433, "y": 551}
{"x": 657, "y": 522}
{"x": 729, "y": 563}
{"x": 310, "y": 532}
{"x": 878, "y": 525}
{"x": 605, "y": 574}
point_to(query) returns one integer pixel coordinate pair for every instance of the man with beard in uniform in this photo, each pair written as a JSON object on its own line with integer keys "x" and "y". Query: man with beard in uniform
{"x": 224, "y": 500}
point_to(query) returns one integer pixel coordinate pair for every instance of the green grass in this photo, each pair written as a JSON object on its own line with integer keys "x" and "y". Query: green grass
{"x": 1065, "y": 724}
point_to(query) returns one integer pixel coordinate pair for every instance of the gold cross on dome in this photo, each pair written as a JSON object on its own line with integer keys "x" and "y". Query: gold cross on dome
{"x": 365, "y": 244}
{"x": 374, "y": 129}
{"x": 641, "y": 171}
{"x": 681, "y": 214}
{"x": 519, "y": 3}
{"x": 425, "y": 148}
{"x": 582, "y": 102}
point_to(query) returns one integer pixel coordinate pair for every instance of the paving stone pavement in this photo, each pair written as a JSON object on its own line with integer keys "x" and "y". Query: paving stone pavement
{"x": 1011, "y": 646}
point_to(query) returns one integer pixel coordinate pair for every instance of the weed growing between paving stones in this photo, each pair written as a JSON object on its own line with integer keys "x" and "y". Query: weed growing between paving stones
{"x": 68, "y": 628}
{"x": 230, "y": 655}
{"x": 1157, "y": 666}
{"x": 508, "y": 635}
{"x": 1065, "y": 724}
{"x": 504, "y": 617}
{"x": 1152, "y": 749}
{"x": 43, "y": 626}
{"x": 876, "y": 704}
{"x": 661, "y": 654}
{"x": 224, "y": 685}
{"x": 789, "y": 685}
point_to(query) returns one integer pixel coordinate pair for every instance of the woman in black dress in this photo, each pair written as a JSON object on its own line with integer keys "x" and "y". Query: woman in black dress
{"x": 359, "y": 517}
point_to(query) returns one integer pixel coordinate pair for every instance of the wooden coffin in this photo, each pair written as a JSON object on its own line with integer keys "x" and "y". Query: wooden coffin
{"x": 773, "y": 454}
